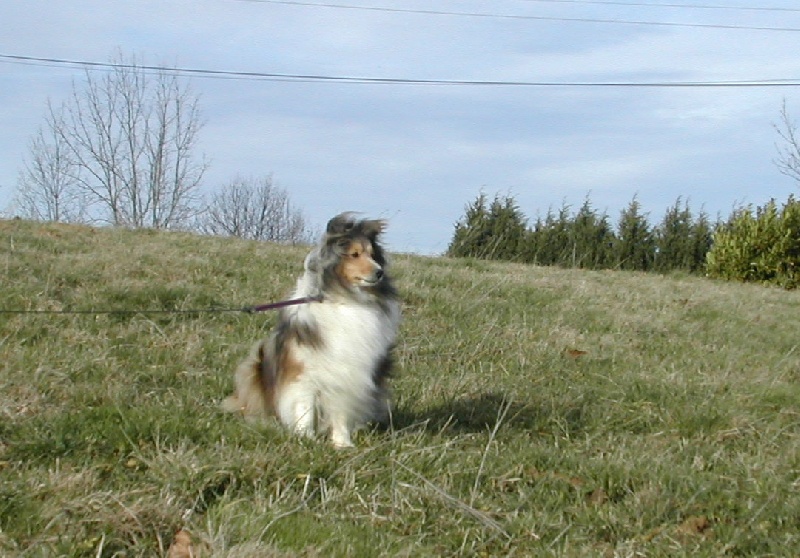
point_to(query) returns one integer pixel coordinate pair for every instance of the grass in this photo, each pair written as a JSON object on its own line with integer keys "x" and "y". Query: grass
{"x": 538, "y": 411}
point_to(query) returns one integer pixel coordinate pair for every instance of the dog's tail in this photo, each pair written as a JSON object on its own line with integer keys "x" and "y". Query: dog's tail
{"x": 254, "y": 392}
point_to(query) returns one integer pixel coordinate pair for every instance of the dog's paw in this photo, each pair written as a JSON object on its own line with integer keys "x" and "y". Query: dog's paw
{"x": 341, "y": 440}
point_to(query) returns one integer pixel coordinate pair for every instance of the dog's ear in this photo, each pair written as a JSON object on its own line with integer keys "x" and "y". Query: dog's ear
{"x": 341, "y": 224}
{"x": 373, "y": 228}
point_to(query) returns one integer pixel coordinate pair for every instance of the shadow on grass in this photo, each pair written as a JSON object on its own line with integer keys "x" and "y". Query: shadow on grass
{"x": 481, "y": 412}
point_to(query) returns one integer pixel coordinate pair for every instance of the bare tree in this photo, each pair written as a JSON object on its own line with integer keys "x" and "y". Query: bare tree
{"x": 131, "y": 136}
{"x": 788, "y": 161}
{"x": 46, "y": 188}
{"x": 254, "y": 209}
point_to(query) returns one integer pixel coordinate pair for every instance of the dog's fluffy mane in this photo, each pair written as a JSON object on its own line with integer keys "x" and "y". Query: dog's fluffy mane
{"x": 326, "y": 365}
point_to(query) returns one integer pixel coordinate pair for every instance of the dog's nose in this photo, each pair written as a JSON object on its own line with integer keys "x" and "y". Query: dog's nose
{"x": 379, "y": 274}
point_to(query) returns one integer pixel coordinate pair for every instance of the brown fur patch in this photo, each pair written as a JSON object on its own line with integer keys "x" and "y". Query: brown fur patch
{"x": 255, "y": 386}
{"x": 289, "y": 366}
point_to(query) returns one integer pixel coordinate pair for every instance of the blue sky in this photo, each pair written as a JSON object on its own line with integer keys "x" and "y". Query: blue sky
{"x": 416, "y": 154}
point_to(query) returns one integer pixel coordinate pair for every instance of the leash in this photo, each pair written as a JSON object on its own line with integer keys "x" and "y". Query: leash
{"x": 281, "y": 304}
{"x": 246, "y": 309}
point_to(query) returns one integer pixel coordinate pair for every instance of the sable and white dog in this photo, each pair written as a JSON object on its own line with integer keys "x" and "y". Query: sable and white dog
{"x": 325, "y": 366}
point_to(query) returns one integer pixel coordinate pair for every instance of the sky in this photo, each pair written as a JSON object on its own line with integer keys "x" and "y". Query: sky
{"x": 552, "y": 131}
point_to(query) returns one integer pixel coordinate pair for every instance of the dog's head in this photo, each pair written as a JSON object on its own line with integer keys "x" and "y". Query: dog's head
{"x": 350, "y": 255}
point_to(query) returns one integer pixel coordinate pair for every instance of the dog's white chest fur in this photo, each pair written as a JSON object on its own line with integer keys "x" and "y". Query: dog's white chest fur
{"x": 354, "y": 334}
{"x": 353, "y": 340}
{"x": 337, "y": 384}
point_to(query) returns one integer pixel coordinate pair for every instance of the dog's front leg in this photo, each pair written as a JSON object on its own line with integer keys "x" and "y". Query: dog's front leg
{"x": 341, "y": 428}
{"x": 304, "y": 424}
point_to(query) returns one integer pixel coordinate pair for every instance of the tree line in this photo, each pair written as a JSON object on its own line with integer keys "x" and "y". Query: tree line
{"x": 753, "y": 244}
{"x": 584, "y": 238}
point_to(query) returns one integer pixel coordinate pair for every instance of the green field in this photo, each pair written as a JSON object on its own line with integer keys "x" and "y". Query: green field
{"x": 538, "y": 411}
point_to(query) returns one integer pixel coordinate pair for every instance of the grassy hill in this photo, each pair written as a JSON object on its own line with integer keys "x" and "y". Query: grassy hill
{"x": 539, "y": 412}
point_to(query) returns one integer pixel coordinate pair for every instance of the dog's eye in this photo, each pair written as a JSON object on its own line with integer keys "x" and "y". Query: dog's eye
{"x": 355, "y": 254}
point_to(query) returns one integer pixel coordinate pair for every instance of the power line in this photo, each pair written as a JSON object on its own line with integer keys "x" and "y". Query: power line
{"x": 522, "y": 17}
{"x": 269, "y": 76}
{"x": 688, "y": 6}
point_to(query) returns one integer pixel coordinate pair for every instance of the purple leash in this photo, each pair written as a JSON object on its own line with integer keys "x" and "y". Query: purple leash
{"x": 281, "y": 304}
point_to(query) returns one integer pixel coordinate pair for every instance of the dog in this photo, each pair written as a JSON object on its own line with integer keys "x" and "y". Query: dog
{"x": 326, "y": 365}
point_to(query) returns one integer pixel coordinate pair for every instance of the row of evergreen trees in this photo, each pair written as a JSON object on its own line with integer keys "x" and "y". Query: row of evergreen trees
{"x": 586, "y": 238}
{"x": 759, "y": 244}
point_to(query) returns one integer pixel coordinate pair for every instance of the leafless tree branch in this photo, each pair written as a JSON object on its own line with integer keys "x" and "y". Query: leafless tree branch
{"x": 130, "y": 138}
{"x": 47, "y": 188}
{"x": 788, "y": 161}
{"x": 255, "y": 209}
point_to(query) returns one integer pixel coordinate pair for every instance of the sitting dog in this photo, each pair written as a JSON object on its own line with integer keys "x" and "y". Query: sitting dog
{"x": 326, "y": 365}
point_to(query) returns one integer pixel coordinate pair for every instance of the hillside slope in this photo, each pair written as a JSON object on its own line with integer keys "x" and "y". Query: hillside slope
{"x": 538, "y": 411}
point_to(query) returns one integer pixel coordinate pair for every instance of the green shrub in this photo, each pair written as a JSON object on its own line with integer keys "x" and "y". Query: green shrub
{"x": 761, "y": 247}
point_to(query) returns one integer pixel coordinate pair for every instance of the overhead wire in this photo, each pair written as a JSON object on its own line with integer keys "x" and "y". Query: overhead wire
{"x": 270, "y": 76}
{"x": 297, "y": 77}
{"x": 522, "y": 16}
{"x": 669, "y": 5}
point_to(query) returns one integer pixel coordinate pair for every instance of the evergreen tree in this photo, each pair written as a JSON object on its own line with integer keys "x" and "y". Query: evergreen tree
{"x": 495, "y": 230}
{"x": 702, "y": 235}
{"x": 591, "y": 238}
{"x": 536, "y": 245}
{"x": 674, "y": 239}
{"x": 634, "y": 248}
{"x": 472, "y": 231}
{"x": 550, "y": 237}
